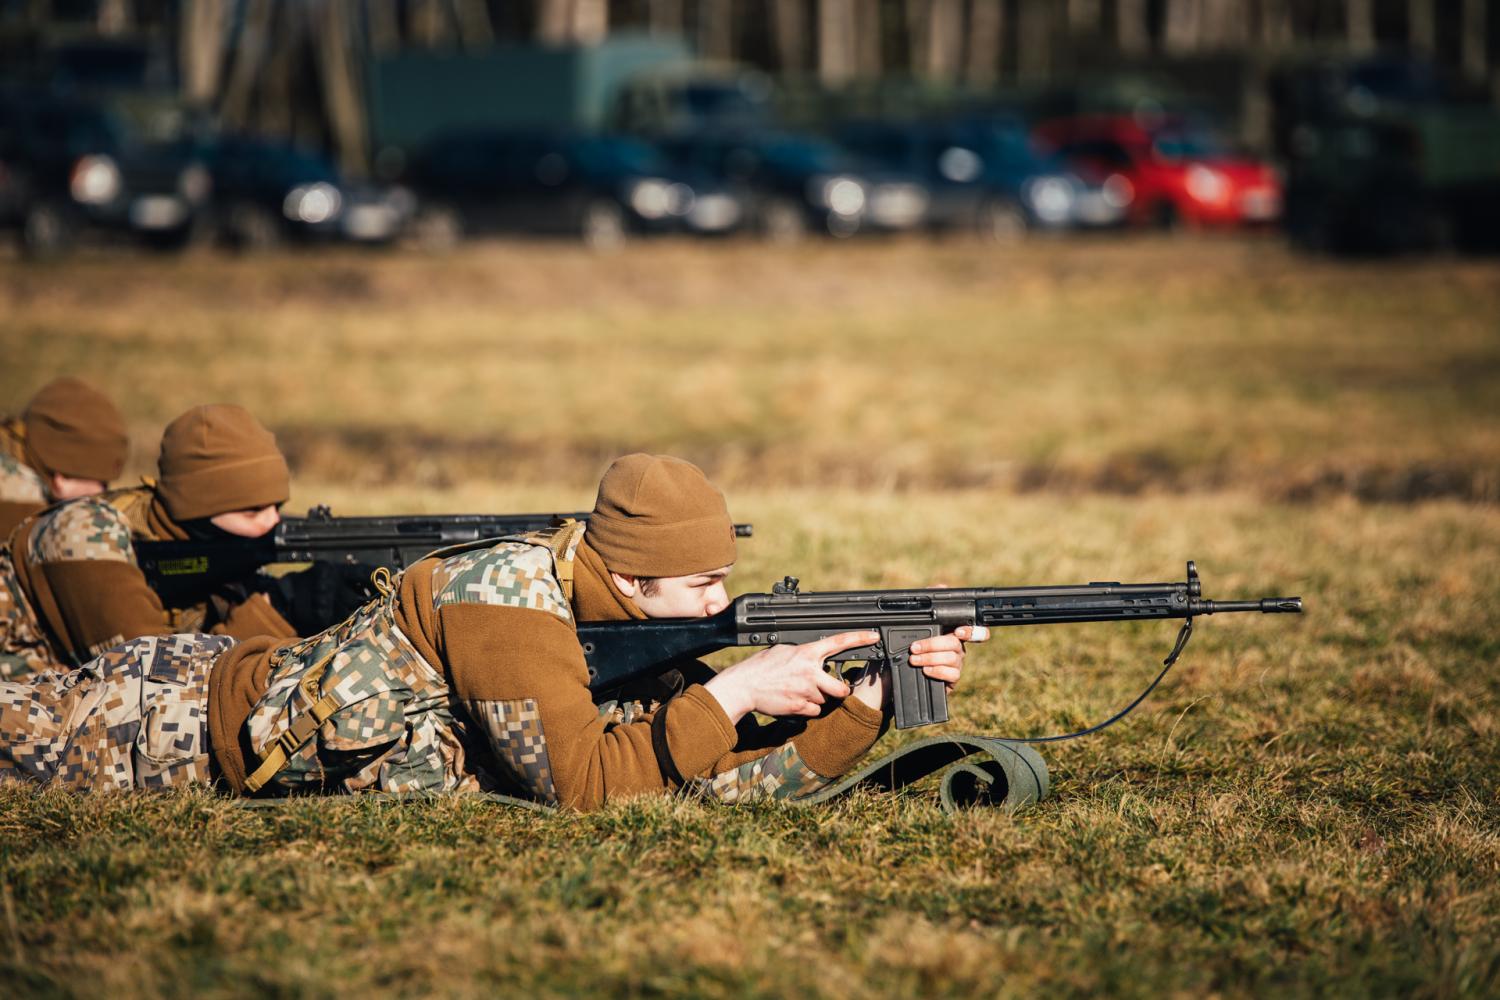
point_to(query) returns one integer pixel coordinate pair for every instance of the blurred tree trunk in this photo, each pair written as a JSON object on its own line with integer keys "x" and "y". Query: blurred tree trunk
{"x": 1275, "y": 23}
{"x": 563, "y": 22}
{"x": 383, "y": 25}
{"x": 201, "y": 48}
{"x": 1226, "y": 23}
{"x": 427, "y": 22}
{"x": 1474, "y": 54}
{"x": 474, "y": 27}
{"x": 1034, "y": 39}
{"x": 665, "y": 17}
{"x": 945, "y": 39}
{"x": 1183, "y": 30}
{"x": 868, "y": 47}
{"x": 250, "y": 49}
{"x": 716, "y": 29}
{"x": 986, "y": 32}
{"x": 789, "y": 35}
{"x": 276, "y": 106}
{"x": 114, "y": 16}
{"x": 1085, "y": 17}
{"x": 1421, "y": 26}
{"x": 1359, "y": 21}
{"x": 1131, "y": 28}
{"x": 343, "y": 99}
{"x": 836, "y": 41}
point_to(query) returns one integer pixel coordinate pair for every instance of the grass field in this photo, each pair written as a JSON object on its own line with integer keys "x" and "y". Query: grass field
{"x": 1306, "y": 807}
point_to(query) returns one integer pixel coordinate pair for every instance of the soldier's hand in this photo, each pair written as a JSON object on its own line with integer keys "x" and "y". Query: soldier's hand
{"x": 942, "y": 656}
{"x": 785, "y": 680}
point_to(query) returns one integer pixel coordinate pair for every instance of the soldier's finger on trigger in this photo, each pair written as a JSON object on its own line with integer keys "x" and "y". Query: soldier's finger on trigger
{"x": 844, "y": 640}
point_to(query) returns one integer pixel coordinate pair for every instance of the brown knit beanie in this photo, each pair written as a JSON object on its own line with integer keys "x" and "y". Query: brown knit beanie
{"x": 73, "y": 429}
{"x": 660, "y": 516}
{"x": 216, "y": 459}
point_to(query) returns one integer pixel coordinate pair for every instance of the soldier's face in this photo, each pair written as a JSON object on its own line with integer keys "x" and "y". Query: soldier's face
{"x": 251, "y": 523}
{"x": 696, "y": 596}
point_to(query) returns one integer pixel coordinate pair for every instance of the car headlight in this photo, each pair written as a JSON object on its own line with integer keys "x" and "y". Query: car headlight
{"x": 1206, "y": 184}
{"x": 1051, "y": 198}
{"x": 1117, "y": 191}
{"x": 312, "y": 203}
{"x": 840, "y": 195}
{"x": 651, "y": 198}
{"x": 195, "y": 183}
{"x": 95, "y": 180}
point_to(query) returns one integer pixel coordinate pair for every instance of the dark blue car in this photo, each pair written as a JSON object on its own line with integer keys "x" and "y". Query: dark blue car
{"x": 794, "y": 184}
{"x": 984, "y": 175}
{"x": 267, "y": 192}
{"x": 597, "y": 187}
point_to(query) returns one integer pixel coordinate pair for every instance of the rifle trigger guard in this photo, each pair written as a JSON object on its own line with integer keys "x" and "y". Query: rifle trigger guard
{"x": 1182, "y": 640}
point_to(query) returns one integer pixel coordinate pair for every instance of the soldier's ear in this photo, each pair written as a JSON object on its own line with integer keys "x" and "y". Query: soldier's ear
{"x": 624, "y": 582}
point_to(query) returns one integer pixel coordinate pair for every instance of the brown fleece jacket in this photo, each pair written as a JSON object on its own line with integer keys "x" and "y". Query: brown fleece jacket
{"x": 90, "y": 595}
{"x": 493, "y": 653}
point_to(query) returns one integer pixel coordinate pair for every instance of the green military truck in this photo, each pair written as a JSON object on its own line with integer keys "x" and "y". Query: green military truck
{"x": 1384, "y": 155}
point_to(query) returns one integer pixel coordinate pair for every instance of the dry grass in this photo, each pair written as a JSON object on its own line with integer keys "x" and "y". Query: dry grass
{"x": 1307, "y": 807}
{"x": 1122, "y": 366}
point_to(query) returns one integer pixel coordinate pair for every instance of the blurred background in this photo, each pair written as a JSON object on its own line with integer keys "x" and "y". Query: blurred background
{"x": 1351, "y": 126}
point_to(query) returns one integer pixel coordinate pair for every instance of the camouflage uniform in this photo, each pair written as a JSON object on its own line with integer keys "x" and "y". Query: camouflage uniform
{"x": 135, "y": 717}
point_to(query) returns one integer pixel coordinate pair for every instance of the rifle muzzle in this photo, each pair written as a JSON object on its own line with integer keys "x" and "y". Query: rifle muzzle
{"x": 1266, "y": 606}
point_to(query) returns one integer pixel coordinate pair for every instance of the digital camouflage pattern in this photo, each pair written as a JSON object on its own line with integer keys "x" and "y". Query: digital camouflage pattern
{"x": 87, "y": 529}
{"x": 780, "y": 774}
{"x": 396, "y": 731}
{"x": 19, "y": 482}
{"x": 135, "y": 717}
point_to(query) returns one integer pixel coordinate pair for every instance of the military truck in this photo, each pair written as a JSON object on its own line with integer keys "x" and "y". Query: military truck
{"x": 1386, "y": 155}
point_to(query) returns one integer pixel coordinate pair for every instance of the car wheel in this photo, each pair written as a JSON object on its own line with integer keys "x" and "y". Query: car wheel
{"x": 1166, "y": 218}
{"x": 602, "y": 225}
{"x": 436, "y": 228}
{"x": 783, "y": 221}
{"x": 1001, "y": 221}
{"x": 48, "y": 230}
{"x": 251, "y": 228}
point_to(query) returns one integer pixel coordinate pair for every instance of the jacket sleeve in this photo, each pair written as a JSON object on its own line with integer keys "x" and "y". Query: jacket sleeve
{"x": 791, "y": 758}
{"x": 520, "y": 675}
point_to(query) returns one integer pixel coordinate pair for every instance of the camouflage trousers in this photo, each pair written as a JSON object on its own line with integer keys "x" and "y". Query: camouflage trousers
{"x": 136, "y": 716}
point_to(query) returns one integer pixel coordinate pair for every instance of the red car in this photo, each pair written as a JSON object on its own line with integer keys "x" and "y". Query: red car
{"x": 1167, "y": 173}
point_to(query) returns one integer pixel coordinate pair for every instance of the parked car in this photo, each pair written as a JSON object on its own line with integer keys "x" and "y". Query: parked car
{"x": 598, "y": 187}
{"x": 1168, "y": 169}
{"x": 985, "y": 175}
{"x": 267, "y": 192}
{"x": 794, "y": 184}
{"x": 125, "y": 166}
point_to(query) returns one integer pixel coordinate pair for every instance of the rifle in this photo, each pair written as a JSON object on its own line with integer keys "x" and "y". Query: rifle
{"x": 184, "y": 572}
{"x": 620, "y": 652}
